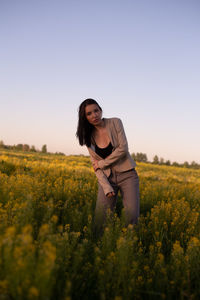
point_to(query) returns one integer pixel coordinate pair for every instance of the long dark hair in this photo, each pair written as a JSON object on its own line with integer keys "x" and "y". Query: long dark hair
{"x": 84, "y": 128}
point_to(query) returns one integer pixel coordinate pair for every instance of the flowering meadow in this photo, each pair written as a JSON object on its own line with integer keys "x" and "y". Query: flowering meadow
{"x": 48, "y": 249}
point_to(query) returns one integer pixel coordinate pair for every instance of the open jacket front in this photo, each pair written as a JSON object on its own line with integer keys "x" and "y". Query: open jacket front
{"x": 119, "y": 160}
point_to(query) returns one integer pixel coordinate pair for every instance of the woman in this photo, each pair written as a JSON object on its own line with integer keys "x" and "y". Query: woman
{"x": 113, "y": 165}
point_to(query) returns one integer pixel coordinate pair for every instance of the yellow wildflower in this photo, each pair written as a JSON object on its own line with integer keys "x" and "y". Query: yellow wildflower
{"x": 54, "y": 219}
{"x": 124, "y": 229}
{"x": 139, "y": 278}
{"x": 159, "y": 244}
{"x": 67, "y": 227}
{"x": 33, "y": 292}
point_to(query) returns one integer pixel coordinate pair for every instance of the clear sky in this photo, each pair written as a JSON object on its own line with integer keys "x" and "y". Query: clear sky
{"x": 140, "y": 59}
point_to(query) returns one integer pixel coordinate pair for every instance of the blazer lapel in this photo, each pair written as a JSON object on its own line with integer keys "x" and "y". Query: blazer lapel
{"x": 109, "y": 132}
{"x": 95, "y": 155}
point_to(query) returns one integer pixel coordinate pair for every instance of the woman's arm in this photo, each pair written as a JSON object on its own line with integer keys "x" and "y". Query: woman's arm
{"x": 120, "y": 151}
{"x": 102, "y": 179}
{"x": 107, "y": 188}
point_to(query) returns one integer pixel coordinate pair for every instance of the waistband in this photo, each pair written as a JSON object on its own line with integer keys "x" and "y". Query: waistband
{"x": 116, "y": 172}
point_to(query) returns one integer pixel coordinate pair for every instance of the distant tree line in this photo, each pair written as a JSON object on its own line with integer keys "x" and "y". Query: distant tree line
{"x": 26, "y": 148}
{"x": 139, "y": 156}
{"x": 142, "y": 157}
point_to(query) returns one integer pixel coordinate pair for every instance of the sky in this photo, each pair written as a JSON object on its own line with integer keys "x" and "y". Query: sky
{"x": 139, "y": 59}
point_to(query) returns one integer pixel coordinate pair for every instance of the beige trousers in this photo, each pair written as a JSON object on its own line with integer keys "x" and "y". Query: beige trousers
{"x": 128, "y": 184}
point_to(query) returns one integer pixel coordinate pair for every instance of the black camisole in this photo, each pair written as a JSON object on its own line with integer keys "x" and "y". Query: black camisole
{"x": 104, "y": 152}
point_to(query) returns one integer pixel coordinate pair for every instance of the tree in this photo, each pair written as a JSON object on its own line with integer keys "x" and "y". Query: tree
{"x": 156, "y": 159}
{"x": 194, "y": 165}
{"x": 133, "y": 156}
{"x": 1, "y": 144}
{"x": 141, "y": 157}
{"x": 59, "y": 153}
{"x": 33, "y": 148}
{"x": 186, "y": 164}
{"x": 44, "y": 149}
{"x": 19, "y": 147}
{"x": 26, "y": 147}
{"x": 162, "y": 161}
{"x": 168, "y": 162}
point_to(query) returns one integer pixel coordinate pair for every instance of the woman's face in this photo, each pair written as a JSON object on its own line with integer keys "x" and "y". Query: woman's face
{"x": 93, "y": 114}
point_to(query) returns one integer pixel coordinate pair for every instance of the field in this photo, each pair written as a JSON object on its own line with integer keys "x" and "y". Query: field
{"x": 48, "y": 249}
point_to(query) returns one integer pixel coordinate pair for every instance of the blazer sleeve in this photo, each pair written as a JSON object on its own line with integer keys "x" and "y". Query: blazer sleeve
{"x": 120, "y": 151}
{"x": 102, "y": 178}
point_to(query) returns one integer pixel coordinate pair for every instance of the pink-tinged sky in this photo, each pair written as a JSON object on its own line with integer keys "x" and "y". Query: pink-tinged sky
{"x": 139, "y": 59}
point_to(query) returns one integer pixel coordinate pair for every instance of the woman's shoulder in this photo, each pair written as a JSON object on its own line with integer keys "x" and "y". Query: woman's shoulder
{"x": 113, "y": 120}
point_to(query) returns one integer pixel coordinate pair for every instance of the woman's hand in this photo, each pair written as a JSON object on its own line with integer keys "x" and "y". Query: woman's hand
{"x": 95, "y": 164}
{"x": 111, "y": 194}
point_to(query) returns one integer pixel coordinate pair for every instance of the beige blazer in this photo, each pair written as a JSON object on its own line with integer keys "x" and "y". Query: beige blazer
{"x": 119, "y": 160}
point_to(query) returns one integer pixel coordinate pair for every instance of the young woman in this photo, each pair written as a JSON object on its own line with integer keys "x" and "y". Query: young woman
{"x": 113, "y": 165}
